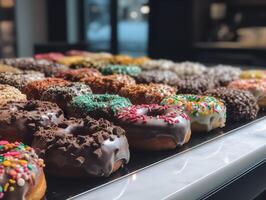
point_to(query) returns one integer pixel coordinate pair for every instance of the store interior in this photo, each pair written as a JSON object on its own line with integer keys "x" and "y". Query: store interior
{"x": 133, "y": 99}
{"x": 209, "y": 31}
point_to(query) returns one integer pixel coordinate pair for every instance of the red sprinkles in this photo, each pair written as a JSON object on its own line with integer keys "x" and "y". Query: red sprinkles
{"x": 140, "y": 113}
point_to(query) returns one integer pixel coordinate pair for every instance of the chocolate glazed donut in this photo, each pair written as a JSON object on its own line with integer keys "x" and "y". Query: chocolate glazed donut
{"x": 79, "y": 148}
{"x": 154, "y": 127}
{"x": 20, "y": 120}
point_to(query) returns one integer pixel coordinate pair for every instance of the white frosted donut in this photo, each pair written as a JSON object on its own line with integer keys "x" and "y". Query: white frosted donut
{"x": 205, "y": 112}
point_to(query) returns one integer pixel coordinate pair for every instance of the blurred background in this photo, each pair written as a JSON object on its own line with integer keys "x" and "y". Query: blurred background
{"x": 209, "y": 31}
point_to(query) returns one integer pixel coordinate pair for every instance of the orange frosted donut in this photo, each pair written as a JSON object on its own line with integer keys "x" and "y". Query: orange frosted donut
{"x": 147, "y": 93}
{"x": 108, "y": 84}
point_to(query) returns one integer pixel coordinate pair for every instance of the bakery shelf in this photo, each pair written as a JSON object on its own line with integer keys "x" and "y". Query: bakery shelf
{"x": 206, "y": 163}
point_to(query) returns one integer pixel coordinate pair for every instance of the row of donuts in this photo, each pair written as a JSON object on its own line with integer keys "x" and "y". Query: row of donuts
{"x": 187, "y": 77}
{"x": 125, "y": 86}
{"x": 205, "y": 112}
{"x": 138, "y": 93}
{"x": 81, "y": 147}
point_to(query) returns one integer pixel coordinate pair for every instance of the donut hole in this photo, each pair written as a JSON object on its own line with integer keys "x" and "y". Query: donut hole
{"x": 154, "y": 113}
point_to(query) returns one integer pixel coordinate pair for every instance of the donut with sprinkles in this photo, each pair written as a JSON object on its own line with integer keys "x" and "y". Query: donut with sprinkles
{"x": 256, "y": 86}
{"x": 206, "y": 112}
{"x": 21, "y": 172}
{"x": 154, "y": 127}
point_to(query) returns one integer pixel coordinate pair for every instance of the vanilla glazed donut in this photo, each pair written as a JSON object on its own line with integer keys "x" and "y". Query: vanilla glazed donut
{"x": 21, "y": 172}
{"x": 154, "y": 127}
{"x": 20, "y": 120}
{"x": 206, "y": 112}
{"x": 81, "y": 148}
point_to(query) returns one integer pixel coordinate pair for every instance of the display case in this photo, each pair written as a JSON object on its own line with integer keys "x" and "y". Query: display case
{"x": 205, "y": 166}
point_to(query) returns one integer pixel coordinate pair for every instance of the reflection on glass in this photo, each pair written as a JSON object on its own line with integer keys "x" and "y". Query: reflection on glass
{"x": 133, "y": 27}
{"x": 97, "y": 24}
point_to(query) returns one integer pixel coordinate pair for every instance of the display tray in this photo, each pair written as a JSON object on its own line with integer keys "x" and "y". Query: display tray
{"x": 61, "y": 188}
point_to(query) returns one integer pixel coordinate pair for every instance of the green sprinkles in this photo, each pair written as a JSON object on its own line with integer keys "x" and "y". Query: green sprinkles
{"x": 130, "y": 70}
{"x": 93, "y": 102}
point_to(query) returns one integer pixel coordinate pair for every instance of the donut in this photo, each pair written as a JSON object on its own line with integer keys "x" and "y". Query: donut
{"x": 181, "y": 69}
{"x": 51, "y": 56}
{"x": 131, "y": 70}
{"x": 160, "y": 64}
{"x": 7, "y": 68}
{"x": 108, "y": 84}
{"x": 206, "y": 113}
{"x": 45, "y": 66}
{"x": 154, "y": 127}
{"x": 128, "y": 60}
{"x": 253, "y": 74}
{"x": 20, "y": 120}
{"x": 121, "y": 59}
{"x": 20, "y": 79}
{"x": 256, "y": 86}
{"x": 69, "y": 60}
{"x": 147, "y": 93}
{"x": 21, "y": 170}
{"x": 158, "y": 76}
{"x": 240, "y": 105}
{"x": 100, "y": 55}
{"x": 139, "y": 60}
{"x": 9, "y": 93}
{"x": 90, "y": 63}
{"x": 188, "y": 69}
{"x": 34, "y": 89}
{"x": 63, "y": 95}
{"x": 79, "y": 148}
{"x": 222, "y": 75}
{"x": 194, "y": 85}
{"x": 97, "y": 105}
{"x": 78, "y": 74}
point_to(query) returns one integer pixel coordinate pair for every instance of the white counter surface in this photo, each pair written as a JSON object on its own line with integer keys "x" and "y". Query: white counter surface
{"x": 194, "y": 173}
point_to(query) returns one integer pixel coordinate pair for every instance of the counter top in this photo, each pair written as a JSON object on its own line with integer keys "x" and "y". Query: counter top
{"x": 193, "y": 173}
